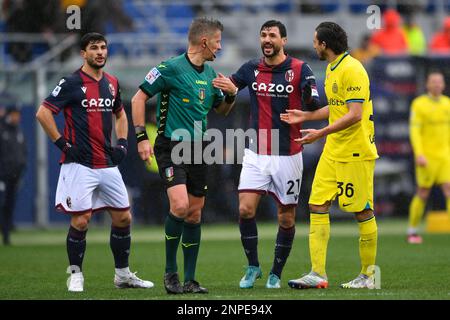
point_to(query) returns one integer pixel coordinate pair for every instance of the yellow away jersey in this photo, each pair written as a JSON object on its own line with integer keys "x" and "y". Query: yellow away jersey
{"x": 347, "y": 81}
{"x": 430, "y": 126}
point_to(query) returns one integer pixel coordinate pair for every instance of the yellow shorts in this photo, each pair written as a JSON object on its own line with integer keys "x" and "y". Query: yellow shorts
{"x": 351, "y": 182}
{"x": 437, "y": 171}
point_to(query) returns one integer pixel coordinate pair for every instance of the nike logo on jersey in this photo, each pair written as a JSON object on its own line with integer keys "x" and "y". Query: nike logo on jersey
{"x": 346, "y": 204}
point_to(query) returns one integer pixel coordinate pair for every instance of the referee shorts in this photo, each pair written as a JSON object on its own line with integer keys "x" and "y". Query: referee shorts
{"x": 191, "y": 174}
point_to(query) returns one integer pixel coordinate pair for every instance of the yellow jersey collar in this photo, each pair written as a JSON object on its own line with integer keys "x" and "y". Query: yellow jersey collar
{"x": 338, "y": 60}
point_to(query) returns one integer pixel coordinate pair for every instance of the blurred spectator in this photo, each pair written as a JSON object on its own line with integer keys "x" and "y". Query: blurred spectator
{"x": 415, "y": 38}
{"x": 13, "y": 159}
{"x": 310, "y": 8}
{"x": 366, "y": 50}
{"x": 31, "y": 16}
{"x": 96, "y": 14}
{"x": 440, "y": 42}
{"x": 390, "y": 39}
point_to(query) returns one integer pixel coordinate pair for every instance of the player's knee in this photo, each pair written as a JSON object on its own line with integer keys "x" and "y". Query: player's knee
{"x": 286, "y": 217}
{"x": 319, "y": 208}
{"x": 286, "y": 222}
{"x": 81, "y": 222}
{"x": 194, "y": 217}
{"x": 246, "y": 211}
{"x": 364, "y": 215}
{"x": 179, "y": 208}
{"x": 446, "y": 189}
{"x": 123, "y": 220}
{"x": 423, "y": 193}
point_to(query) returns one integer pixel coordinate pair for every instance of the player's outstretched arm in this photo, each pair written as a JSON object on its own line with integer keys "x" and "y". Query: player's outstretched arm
{"x": 293, "y": 116}
{"x": 350, "y": 118}
{"x": 145, "y": 149}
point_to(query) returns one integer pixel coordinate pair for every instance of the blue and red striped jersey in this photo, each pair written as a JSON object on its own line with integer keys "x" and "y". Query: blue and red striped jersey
{"x": 273, "y": 89}
{"x": 88, "y": 106}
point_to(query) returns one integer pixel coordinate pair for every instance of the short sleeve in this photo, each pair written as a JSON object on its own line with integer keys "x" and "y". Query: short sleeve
{"x": 356, "y": 86}
{"x": 59, "y": 98}
{"x": 309, "y": 80}
{"x": 218, "y": 97}
{"x": 118, "y": 106}
{"x": 240, "y": 77}
{"x": 155, "y": 80}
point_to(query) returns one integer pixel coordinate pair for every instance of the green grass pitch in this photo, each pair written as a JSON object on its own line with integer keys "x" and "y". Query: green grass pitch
{"x": 34, "y": 266}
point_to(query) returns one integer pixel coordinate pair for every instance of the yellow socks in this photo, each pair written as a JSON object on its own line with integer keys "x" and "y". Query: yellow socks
{"x": 416, "y": 209}
{"x": 319, "y": 233}
{"x": 368, "y": 234}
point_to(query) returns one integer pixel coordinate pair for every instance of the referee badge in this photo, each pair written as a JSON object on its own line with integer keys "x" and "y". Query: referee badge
{"x": 169, "y": 174}
{"x": 201, "y": 94}
{"x": 335, "y": 87}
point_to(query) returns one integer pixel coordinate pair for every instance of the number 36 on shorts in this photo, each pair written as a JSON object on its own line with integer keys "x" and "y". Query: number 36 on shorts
{"x": 353, "y": 184}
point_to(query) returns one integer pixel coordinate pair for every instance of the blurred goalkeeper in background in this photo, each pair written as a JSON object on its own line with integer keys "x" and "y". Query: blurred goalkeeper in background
{"x": 430, "y": 139}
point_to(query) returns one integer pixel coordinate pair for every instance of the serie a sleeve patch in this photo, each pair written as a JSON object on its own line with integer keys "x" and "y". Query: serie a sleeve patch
{"x": 152, "y": 75}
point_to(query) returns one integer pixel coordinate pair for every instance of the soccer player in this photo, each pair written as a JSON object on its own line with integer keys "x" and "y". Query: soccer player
{"x": 430, "y": 139}
{"x": 89, "y": 179}
{"x": 347, "y": 164}
{"x": 271, "y": 166}
{"x": 185, "y": 93}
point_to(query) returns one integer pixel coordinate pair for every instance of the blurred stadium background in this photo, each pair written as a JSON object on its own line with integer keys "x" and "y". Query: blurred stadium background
{"x": 37, "y": 49}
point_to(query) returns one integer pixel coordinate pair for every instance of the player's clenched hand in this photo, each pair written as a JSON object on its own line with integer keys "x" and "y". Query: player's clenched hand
{"x": 145, "y": 151}
{"x": 225, "y": 84}
{"x": 72, "y": 152}
{"x": 421, "y": 161}
{"x": 120, "y": 151}
{"x": 293, "y": 116}
{"x": 309, "y": 136}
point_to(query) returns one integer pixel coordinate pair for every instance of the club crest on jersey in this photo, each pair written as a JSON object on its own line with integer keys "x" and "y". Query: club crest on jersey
{"x": 69, "y": 202}
{"x": 202, "y": 94}
{"x": 335, "y": 88}
{"x": 169, "y": 173}
{"x": 112, "y": 90}
{"x": 289, "y": 75}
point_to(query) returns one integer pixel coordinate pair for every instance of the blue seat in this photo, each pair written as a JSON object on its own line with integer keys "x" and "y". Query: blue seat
{"x": 179, "y": 11}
